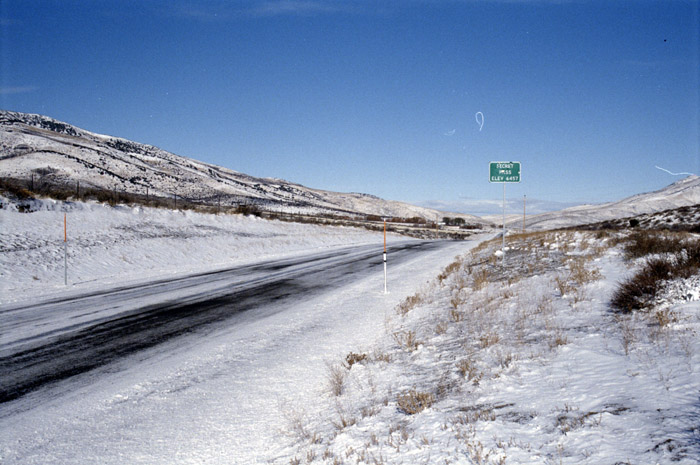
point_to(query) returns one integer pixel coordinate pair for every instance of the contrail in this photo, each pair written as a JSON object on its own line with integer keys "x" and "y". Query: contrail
{"x": 674, "y": 174}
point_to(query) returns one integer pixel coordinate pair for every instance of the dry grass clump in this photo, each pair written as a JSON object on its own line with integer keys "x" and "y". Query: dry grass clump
{"x": 407, "y": 340}
{"x": 450, "y": 269}
{"x": 558, "y": 339}
{"x": 467, "y": 367}
{"x": 336, "y": 378}
{"x": 577, "y": 276}
{"x": 344, "y": 419}
{"x": 488, "y": 339}
{"x": 409, "y": 303}
{"x": 665, "y": 317}
{"x": 413, "y": 401}
{"x": 481, "y": 279}
{"x": 456, "y": 316}
{"x": 580, "y": 274}
{"x": 476, "y": 413}
{"x": 681, "y": 259}
{"x": 353, "y": 358}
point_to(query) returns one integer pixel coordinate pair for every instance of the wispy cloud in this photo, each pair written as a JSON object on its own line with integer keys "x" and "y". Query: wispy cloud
{"x": 217, "y": 10}
{"x": 297, "y": 7}
{"x": 222, "y": 10}
{"x": 683, "y": 173}
{"x": 17, "y": 90}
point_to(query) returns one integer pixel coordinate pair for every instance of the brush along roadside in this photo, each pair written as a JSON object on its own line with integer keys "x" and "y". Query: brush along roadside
{"x": 527, "y": 363}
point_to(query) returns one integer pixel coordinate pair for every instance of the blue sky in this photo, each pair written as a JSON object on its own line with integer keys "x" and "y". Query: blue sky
{"x": 379, "y": 96}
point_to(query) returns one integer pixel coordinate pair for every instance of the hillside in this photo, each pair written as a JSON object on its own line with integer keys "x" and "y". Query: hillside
{"x": 529, "y": 362}
{"x": 685, "y": 192}
{"x": 38, "y": 149}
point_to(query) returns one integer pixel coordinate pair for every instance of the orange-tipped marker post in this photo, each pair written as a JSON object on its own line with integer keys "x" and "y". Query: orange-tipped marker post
{"x": 385, "y": 290}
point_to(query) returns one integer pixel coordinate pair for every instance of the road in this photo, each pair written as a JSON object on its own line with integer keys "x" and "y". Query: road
{"x": 51, "y": 341}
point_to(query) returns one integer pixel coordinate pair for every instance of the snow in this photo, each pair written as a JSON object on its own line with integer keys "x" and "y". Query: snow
{"x": 522, "y": 364}
{"x": 227, "y": 397}
{"x": 519, "y": 372}
{"x": 114, "y": 245}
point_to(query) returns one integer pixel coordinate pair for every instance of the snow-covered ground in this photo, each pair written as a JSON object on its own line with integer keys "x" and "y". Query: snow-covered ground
{"x": 470, "y": 363}
{"x": 114, "y": 245}
{"x": 524, "y": 366}
{"x": 228, "y": 396}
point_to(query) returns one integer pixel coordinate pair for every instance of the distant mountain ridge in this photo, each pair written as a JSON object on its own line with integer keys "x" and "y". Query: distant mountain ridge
{"x": 685, "y": 192}
{"x": 67, "y": 154}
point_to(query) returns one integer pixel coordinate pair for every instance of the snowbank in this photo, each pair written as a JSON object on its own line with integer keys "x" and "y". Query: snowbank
{"x": 110, "y": 245}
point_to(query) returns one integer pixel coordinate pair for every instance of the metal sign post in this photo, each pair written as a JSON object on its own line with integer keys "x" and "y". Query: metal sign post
{"x": 504, "y": 172}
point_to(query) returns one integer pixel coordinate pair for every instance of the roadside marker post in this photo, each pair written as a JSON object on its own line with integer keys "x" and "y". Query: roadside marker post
{"x": 504, "y": 172}
{"x": 65, "y": 249}
{"x": 385, "y": 290}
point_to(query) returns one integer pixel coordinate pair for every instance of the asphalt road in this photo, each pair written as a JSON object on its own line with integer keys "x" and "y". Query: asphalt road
{"x": 55, "y": 340}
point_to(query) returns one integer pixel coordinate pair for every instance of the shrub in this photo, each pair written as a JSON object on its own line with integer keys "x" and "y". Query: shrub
{"x": 414, "y": 402}
{"x": 639, "y": 291}
{"x": 644, "y": 243}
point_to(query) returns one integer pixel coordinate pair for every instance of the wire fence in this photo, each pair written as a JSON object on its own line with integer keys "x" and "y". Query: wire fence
{"x": 46, "y": 185}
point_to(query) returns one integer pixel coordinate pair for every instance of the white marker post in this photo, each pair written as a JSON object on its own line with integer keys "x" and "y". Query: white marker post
{"x": 504, "y": 172}
{"x": 65, "y": 249}
{"x": 385, "y": 290}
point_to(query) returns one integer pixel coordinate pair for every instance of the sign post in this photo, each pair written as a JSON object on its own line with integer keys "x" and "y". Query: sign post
{"x": 504, "y": 172}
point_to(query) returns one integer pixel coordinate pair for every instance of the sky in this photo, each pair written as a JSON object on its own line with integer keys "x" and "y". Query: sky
{"x": 405, "y": 99}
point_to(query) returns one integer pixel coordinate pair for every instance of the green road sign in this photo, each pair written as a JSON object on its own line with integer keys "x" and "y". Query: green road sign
{"x": 504, "y": 171}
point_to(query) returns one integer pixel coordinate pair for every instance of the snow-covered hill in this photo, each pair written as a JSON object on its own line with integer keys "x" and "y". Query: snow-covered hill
{"x": 683, "y": 193}
{"x": 65, "y": 154}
